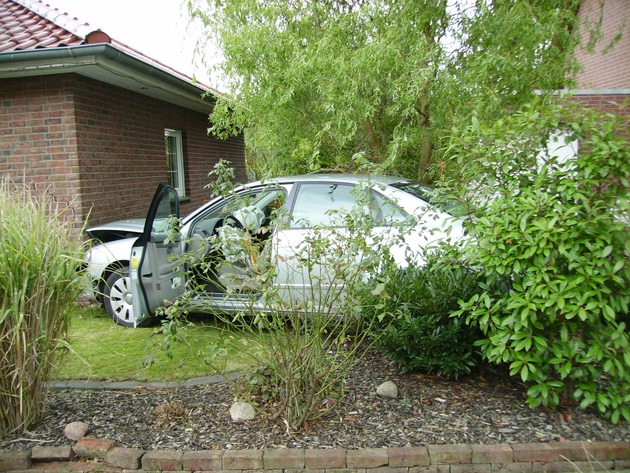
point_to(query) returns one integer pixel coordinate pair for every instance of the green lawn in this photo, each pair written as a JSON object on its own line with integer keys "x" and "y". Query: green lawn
{"x": 102, "y": 350}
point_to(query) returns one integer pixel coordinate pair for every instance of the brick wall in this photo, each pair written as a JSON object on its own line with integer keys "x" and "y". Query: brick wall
{"x": 613, "y": 103}
{"x": 122, "y": 154}
{"x": 555, "y": 457}
{"x": 38, "y": 144}
{"x": 605, "y": 69}
{"x": 100, "y": 148}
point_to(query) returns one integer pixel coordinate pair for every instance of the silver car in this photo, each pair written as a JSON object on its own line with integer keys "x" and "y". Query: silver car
{"x": 137, "y": 266}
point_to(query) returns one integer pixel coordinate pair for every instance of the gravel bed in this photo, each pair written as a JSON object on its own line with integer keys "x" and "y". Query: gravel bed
{"x": 429, "y": 410}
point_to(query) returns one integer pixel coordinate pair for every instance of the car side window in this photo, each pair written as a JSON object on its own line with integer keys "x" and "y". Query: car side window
{"x": 267, "y": 200}
{"x": 323, "y": 205}
{"x": 319, "y": 204}
{"x": 166, "y": 213}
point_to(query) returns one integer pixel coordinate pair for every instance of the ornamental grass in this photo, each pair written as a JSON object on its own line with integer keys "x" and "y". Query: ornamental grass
{"x": 39, "y": 283}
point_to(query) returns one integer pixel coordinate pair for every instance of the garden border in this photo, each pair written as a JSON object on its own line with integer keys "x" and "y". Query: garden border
{"x": 91, "y": 454}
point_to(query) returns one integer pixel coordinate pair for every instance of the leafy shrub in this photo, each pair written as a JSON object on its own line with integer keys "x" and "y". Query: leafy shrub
{"x": 554, "y": 236}
{"x": 307, "y": 338}
{"x": 39, "y": 284}
{"x": 415, "y": 328}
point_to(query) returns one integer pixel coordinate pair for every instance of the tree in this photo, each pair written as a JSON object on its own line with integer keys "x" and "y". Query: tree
{"x": 377, "y": 84}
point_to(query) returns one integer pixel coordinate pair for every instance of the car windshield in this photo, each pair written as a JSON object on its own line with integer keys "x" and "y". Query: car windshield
{"x": 430, "y": 195}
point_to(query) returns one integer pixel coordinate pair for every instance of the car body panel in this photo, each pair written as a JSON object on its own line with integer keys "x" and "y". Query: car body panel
{"x": 117, "y": 230}
{"x": 155, "y": 272}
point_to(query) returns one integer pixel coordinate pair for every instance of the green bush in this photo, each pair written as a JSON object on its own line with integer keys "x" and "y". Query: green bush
{"x": 554, "y": 237}
{"x": 415, "y": 328}
{"x": 39, "y": 284}
{"x": 308, "y": 338}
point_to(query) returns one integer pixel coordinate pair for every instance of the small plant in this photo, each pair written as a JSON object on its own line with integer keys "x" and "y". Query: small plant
{"x": 169, "y": 412}
{"x": 39, "y": 284}
{"x": 414, "y": 306}
{"x": 552, "y": 240}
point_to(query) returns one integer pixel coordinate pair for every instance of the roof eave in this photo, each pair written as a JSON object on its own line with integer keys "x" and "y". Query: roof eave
{"x": 106, "y": 63}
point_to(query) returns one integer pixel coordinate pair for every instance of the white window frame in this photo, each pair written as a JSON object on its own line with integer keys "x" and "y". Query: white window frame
{"x": 175, "y": 162}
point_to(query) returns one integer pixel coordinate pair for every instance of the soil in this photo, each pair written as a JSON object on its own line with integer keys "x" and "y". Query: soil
{"x": 479, "y": 409}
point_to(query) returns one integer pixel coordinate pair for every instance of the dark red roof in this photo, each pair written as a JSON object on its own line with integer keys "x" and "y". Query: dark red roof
{"x": 32, "y": 24}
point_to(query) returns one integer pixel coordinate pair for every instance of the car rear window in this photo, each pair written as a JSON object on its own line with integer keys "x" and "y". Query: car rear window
{"x": 430, "y": 195}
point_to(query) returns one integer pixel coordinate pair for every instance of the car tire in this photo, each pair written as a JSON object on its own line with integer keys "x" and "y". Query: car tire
{"x": 117, "y": 298}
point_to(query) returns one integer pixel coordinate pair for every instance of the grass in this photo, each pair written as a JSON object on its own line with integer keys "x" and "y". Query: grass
{"x": 102, "y": 350}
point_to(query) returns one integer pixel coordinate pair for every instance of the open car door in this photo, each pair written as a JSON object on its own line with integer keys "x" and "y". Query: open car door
{"x": 156, "y": 272}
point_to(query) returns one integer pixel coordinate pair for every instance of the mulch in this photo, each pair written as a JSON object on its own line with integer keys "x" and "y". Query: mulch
{"x": 478, "y": 409}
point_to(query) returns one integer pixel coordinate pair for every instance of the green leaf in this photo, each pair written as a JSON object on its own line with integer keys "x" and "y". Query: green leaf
{"x": 524, "y": 373}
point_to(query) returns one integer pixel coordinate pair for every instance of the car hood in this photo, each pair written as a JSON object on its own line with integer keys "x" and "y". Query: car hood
{"x": 117, "y": 230}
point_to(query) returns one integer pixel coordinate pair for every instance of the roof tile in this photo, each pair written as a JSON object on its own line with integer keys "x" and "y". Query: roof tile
{"x": 24, "y": 26}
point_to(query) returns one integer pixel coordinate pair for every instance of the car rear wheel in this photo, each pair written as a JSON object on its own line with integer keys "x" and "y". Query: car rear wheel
{"x": 117, "y": 298}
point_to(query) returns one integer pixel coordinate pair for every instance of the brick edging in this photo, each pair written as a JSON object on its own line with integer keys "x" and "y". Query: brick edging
{"x": 91, "y": 454}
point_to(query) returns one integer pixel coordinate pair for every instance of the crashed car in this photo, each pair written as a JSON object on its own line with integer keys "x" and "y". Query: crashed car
{"x": 133, "y": 266}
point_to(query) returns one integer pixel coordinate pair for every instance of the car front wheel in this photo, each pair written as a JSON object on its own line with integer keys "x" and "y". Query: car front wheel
{"x": 117, "y": 298}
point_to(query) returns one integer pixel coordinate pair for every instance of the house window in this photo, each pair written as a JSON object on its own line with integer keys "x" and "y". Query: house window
{"x": 175, "y": 160}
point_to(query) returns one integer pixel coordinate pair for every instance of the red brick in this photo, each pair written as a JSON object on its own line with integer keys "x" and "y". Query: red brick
{"x": 520, "y": 467}
{"x": 72, "y": 467}
{"x": 48, "y": 454}
{"x": 203, "y": 460}
{"x": 578, "y": 451}
{"x": 408, "y": 456}
{"x": 430, "y": 469}
{"x": 533, "y": 452}
{"x": 383, "y": 469}
{"x": 450, "y": 454}
{"x": 18, "y": 460}
{"x": 367, "y": 458}
{"x": 325, "y": 458}
{"x": 570, "y": 467}
{"x": 128, "y": 458}
{"x": 495, "y": 453}
{"x": 337, "y": 470}
{"x": 169, "y": 460}
{"x": 243, "y": 460}
{"x": 89, "y": 447}
{"x": 611, "y": 450}
{"x": 472, "y": 468}
{"x": 283, "y": 458}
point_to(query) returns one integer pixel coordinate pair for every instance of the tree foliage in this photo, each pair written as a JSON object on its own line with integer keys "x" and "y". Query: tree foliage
{"x": 377, "y": 84}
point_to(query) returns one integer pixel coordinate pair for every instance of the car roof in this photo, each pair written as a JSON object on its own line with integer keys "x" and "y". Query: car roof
{"x": 346, "y": 178}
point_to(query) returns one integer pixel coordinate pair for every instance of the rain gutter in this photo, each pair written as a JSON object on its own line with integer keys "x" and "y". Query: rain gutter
{"x": 74, "y": 58}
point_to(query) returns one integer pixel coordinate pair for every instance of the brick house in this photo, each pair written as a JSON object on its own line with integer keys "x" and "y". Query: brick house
{"x": 96, "y": 124}
{"x": 604, "y": 79}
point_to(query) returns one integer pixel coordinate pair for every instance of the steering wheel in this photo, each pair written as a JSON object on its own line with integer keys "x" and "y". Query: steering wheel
{"x": 230, "y": 221}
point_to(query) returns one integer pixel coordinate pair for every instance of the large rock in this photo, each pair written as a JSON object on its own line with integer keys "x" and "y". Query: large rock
{"x": 76, "y": 431}
{"x": 387, "y": 390}
{"x": 242, "y": 411}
